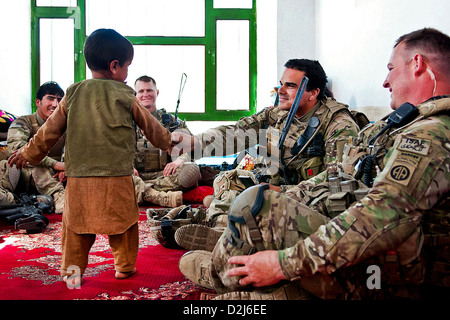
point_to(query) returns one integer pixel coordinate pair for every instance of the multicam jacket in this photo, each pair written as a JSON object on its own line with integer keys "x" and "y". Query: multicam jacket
{"x": 23, "y": 129}
{"x": 405, "y": 211}
{"x": 264, "y": 128}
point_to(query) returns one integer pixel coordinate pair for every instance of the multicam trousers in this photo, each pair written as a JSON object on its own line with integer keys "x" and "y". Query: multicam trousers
{"x": 281, "y": 222}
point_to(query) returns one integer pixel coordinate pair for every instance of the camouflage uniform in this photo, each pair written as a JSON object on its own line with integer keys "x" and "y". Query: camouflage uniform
{"x": 5, "y": 121}
{"x": 39, "y": 177}
{"x": 336, "y": 126}
{"x": 401, "y": 226}
{"x": 150, "y": 161}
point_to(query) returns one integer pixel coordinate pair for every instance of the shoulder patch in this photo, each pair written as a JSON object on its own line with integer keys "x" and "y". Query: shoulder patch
{"x": 401, "y": 173}
{"x": 415, "y": 145}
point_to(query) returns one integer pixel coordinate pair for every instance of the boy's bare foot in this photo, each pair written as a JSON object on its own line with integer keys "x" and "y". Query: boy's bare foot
{"x": 124, "y": 275}
{"x": 74, "y": 281}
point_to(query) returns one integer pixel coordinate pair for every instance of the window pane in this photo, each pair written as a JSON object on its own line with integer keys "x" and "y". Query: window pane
{"x": 239, "y": 4}
{"x": 147, "y": 17}
{"x": 233, "y": 65}
{"x": 57, "y": 51}
{"x": 166, "y": 64}
{"x": 56, "y": 3}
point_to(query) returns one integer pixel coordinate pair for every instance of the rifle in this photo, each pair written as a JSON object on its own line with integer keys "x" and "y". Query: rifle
{"x": 287, "y": 125}
{"x": 28, "y": 214}
{"x": 166, "y": 118}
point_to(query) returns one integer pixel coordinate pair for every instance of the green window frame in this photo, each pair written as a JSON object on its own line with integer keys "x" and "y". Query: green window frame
{"x": 209, "y": 41}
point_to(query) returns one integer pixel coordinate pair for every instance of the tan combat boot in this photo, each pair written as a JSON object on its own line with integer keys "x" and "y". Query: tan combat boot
{"x": 198, "y": 237}
{"x": 288, "y": 291}
{"x": 196, "y": 265}
{"x": 58, "y": 201}
{"x": 165, "y": 199}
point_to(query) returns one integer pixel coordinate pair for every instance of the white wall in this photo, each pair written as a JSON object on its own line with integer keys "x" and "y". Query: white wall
{"x": 355, "y": 40}
{"x": 15, "y": 57}
{"x": 352, "y": 39}
{"x": 296, "y": 31}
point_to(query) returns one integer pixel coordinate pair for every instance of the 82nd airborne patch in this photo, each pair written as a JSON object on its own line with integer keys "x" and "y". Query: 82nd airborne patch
{"x": 410, "y": 153}
{"x": 401, "y": 173}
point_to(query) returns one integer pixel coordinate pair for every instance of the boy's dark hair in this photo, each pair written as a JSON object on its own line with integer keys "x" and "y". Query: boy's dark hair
{"x": 314, "y": 71}
{"x": 50, "y": 87}
{"x": 145, "y": 79}
{"x": 104, "y": 46}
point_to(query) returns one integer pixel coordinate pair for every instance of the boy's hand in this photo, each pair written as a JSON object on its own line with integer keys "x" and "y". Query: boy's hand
{"x": 181, "y": 139}
{"x": 182, "y": 143}
{"x": 17, "y": 159}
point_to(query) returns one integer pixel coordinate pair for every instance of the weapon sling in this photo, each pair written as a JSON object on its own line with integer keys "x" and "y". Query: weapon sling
{"x": 288, "y": 123}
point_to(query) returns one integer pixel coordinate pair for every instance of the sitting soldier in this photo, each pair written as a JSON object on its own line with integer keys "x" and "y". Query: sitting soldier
{"x": 46, "y": 178}
{"x": 161, "y": 183}
{"x": 320, "y": 127}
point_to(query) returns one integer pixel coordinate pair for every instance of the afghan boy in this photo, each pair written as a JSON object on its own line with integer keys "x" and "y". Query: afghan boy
{"x": 97, "y": 116}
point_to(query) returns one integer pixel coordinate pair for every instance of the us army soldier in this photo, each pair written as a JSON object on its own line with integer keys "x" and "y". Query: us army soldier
{"x": 162, "y": 182}
{"x": 334, "y": 124}
{"x": 20, "y": 132}
{"x": 401, "y": 226}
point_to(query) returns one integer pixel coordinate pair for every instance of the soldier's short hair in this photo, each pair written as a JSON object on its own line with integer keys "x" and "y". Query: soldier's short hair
{"x": 314, "y": 71}
{"x": 145, "y": 79}
{"x": 50, "y": 87}
{"x": 433, "y": 44}
{"x": 104, "y": 46}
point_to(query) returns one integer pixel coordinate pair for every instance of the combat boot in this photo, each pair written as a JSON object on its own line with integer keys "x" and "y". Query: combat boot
{"x": 198, "y": 237}
{"x": 58, "y": 201}
{"x": 6, "y": 198}
{"x": 165, "y": 199}
{"x": 288, "y": 291}
{"x": 196, "y": 266}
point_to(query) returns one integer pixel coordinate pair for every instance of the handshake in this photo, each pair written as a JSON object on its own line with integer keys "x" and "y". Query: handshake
{"x": 183, "y": 143}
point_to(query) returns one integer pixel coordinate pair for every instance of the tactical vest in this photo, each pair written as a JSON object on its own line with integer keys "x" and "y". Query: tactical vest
{"x": 309, "y": 163}
{"x": 349, "y": 183}
{"x": 148, "y": 157}
{"x": 100, "y": 133}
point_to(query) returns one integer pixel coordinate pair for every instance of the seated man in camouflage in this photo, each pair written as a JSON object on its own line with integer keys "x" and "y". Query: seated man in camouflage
{"x": 330, "y": 121}
{"x": 391, "y": 243}
{"x": 161, "y": 182}
{"x": 46, "y": 178}
{"x": 5, "y": 121}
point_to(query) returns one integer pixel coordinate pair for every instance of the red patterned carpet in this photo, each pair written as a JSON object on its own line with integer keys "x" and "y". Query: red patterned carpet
{"x": 29, "y": 269}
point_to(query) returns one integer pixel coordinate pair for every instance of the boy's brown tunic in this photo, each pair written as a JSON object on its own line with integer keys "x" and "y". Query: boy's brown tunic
{"x": 97, "y": 204}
